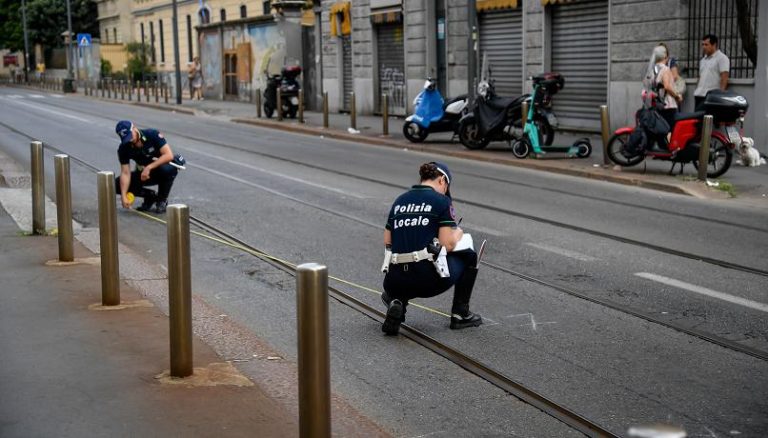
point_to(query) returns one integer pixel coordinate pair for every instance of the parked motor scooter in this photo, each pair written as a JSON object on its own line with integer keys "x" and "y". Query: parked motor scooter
{"x": 289, "y": 91}
{"x": 631, "y": 145}
{"x": 433, "y": 114}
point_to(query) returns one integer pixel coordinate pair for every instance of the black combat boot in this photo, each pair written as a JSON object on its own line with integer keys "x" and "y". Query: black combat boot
{"x": 461, "y": 317}
{"x": 161, "y": 206}
{"x": 149, "y": 197}
{"x": 395, "y": 317}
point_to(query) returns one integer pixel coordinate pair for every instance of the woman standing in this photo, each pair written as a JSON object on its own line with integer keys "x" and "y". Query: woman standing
{"x": 197, "y": 78}
{"x": 664, "y": 85}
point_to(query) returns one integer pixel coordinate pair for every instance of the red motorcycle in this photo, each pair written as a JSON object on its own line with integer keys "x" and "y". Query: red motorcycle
{"x": 629, "y": 146}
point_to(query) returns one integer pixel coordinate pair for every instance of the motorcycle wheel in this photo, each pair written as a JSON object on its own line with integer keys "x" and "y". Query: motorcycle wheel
{"x": 521, "y": 148}
{"x": 616, "y": 146}
{"x": 585, "y": 148}
{"x": 720, "y": 157}
{"x": 469, "y": 134}
{"x": 414, "y": 133}
{"x": 268, "y": 110}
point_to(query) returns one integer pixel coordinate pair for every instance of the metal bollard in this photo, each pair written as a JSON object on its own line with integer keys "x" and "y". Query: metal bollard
{"x": 325, "y": 109}
{"x": 146, "y": 91}
{"x": 279, "y": 105}
{"x": 103, "y": 82}
{"x": 165, "y": 93}
{"x": 110, "y": 88}
{"x": 38, "y": 188}
{"x": 157, "y": 95}
{"x": 122, "y": 90}
{"x": 179, "y": 290}
{"x": 352, "y": 111}
{"x": 110, "y": 271}
{"x": 129, "y": 85}
{"x": 605, "y": 130}
{"x": 384, "y": 114}
{"x": 313, "y": 346}
{"x": 301, "y": 106}
{"x": 258, "y": 103}
{"x": 64, "y": 207}
{"x": 524, "y": 114}
{"x": 706, "y": 134}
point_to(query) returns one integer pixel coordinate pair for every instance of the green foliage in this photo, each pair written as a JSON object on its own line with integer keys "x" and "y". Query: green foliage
{"x": 138, "y": 60}
{"x": 46, "y": 20}
{"x": 106, "y": 68}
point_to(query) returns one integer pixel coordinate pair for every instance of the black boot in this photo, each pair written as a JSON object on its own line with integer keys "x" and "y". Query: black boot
{"x": 149, "y": 197}
{"x": 461, "y": 317}
{"x": 395, "y": 317}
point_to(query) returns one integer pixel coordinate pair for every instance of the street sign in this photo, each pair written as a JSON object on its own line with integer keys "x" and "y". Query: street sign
{"x": 83, "y": 40}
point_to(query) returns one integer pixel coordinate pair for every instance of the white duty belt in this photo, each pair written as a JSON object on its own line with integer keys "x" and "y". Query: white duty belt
{"x": 410, "y": 257}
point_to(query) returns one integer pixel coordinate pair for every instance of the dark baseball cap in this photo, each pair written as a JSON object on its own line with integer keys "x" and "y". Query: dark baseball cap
{"x": 123, "y": 130}
{"x": 442, "y": 168}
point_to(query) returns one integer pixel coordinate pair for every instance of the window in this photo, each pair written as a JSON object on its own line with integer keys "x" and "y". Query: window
{"x": 152, "y": 42}
{"x": 223, "y": 14}
{"x": 106, "y": 36}
{"x": 243, "y": 12}
{"x": 162, "y": 41}
{"x": 266, "y": 7}
{"x": 205, "y": 16}
{"x": 142, "y": 34}
{"x": 114, "y": 33}
{"x": 736, "y": 31}
{"x": 189, "y": 38}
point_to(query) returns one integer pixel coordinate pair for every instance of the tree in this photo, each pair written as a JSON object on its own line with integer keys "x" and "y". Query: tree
{"x": 46, "y": 20}
{"x": 748, "y": 37}
{"x": 138, "y": 61}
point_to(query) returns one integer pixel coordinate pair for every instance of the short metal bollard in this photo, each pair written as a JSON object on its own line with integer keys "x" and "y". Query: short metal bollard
{"x": 165, "y": 93}
{"x": 301, "y": 106}
{"x": 103, "y": 86}
{"x": 384, "y": 114}
{"x": 179, "y": 290}
{"x": 706, "y": 134}
{"x": 64, "y": 208}
{"x": 122, "y": 90}
{"x": 524, "y": 114}
{"x": 605, "y": 131}
{"x": 258, "y": 103}
{"x": 146, "y": 90}
{"x": 352, "y": 111}
{"x": 38, "y": 188}
{"x": 279, "y": 105}
{"x": 129, "y": 85}
{"x": 313, "y": 346}
{"x": 110, "y": 271}
{"x": 157, "y": 95}
{"x": 325, "y": 109}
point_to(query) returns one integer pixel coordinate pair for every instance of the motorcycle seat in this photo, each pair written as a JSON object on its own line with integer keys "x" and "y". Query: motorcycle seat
{"x": 689, "y": 116}
{"x": 454, "y": 99}
{"x": 502, "y": 103}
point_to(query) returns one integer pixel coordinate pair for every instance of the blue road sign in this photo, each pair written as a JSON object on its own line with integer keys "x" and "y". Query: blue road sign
{"x": 83, "y": 40}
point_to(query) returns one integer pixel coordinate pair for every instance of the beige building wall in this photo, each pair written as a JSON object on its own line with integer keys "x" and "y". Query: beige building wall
{"x": 115, "y": 30}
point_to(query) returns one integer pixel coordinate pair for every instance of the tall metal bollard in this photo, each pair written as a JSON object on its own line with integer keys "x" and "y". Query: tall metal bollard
{"x": 313, "y": 346}
{"x": 64, "y": 208}
{"x": 258, "y": 103}
{"x": 524, "y": 115}
{"x": 129, "y": 85}
{"x": 605, "y": 131}
{"x": 325, "y": 109}
{"x": 122, "y": 90}
{"x": 384, "y": 114}
{"x": 165, "y": 93}
{"x": 179, "y": 290}
{"x": 110, "y": 271}
{"x": 301, "y": 106}
{"x": 38, "y": 188}
{"x": 111, "y": 88}
{"x": 157, "y": 95}
{"x": 146, "y": 90}
{"x": 352, "y": 111}
{"x": 103, "y": 86}
{"x": 279, "y": 105}
{"x": 706, "y": 134}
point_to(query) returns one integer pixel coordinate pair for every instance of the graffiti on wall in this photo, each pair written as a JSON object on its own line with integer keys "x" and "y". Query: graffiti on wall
{"x": 392, "y": 82}
{"x": 210, "y": 49}
{"x": 267, "y": 53}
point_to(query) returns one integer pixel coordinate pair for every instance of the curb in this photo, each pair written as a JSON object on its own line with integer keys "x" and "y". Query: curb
{"x": 527, "y": 164}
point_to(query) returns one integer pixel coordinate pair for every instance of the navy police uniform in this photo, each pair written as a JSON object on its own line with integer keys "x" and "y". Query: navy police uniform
{"x": 414, "y": 221}
{"x": 162, "y": 176}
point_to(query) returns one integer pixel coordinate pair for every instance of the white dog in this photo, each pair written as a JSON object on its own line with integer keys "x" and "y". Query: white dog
{"x": 750, "y": 156}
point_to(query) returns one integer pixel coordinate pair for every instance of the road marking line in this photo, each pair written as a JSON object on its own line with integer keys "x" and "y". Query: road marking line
{"x": 533, "y": 324}
{"x": 704, "y": 291}
{"x": 58, "y": 113}
{"x": 58, "y": 96}
{"x": 563, "y": 252}
{"x": 36, "y": 96}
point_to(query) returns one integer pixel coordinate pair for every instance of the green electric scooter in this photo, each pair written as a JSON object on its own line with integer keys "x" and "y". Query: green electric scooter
{"x": 531, "y": 139}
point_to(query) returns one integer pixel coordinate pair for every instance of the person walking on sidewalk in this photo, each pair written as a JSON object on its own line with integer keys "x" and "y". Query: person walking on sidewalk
{"x": 197, "y": 78}
{"x": 713, "y": 69}
{"x": 426, "y": 251}
{"x": 153, "y": 157}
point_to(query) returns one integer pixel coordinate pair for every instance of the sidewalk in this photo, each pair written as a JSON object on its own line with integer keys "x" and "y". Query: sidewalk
{"x": 71, "y": 371}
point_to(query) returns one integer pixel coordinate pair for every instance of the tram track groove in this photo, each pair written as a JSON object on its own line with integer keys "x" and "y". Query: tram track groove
{"x": 705, "y": 336}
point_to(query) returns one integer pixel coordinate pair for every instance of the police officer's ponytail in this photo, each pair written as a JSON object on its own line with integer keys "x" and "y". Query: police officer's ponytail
{"x": 428, "y": 171}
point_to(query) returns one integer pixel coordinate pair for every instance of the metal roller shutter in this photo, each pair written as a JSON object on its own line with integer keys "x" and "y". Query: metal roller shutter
{"x": 501, "y": 41}
{"x": 346, "y": 61}
{"x": 391, "y": 65}
{"x": 580, "y": 53}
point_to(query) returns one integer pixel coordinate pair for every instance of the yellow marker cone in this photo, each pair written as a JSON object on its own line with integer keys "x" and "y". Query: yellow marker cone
{"x": 130, "y": 197}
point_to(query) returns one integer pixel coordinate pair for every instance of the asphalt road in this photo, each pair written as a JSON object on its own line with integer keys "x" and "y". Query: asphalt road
{"x": 305, "y": 198}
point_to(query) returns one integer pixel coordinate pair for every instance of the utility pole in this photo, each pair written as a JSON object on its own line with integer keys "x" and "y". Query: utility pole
{"x": 472, "y": 47}
{"x": 176, "y": 58}
{"x": 26, "y": 40}
{"x": 70, "y": 57}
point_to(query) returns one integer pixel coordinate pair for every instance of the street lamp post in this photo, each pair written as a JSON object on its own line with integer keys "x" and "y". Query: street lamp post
{"x": 176, "y": 58}
{"x": 70, "y": 56}
{"x": 26, "y": 40}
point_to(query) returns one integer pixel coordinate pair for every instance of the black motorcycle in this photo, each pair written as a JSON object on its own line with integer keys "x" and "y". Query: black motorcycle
{"x": 496, "y": 118}
{"x": 289, "y": 85}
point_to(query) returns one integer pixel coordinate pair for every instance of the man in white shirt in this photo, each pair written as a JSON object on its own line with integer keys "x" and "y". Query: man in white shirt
{"x": 713, "y": 69}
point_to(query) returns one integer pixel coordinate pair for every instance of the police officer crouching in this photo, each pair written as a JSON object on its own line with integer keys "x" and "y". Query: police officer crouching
{"x": 426, "y": 251}
{"x": 155, "y": 165}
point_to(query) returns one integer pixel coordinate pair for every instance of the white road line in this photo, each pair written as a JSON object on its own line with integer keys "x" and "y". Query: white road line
{"x": 58, "y": 113}
{"x": 58, "y": 96}
{"x": 269, "y": 172}
{"x": 36, "y": 96}
{"x": 533, "y": 324}
{"x": 563, "y": 252}
{"x": 704, "y": 291}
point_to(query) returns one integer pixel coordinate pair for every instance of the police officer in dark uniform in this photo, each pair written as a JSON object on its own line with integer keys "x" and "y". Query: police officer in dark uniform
{"x": 421, "y": 223}
{"x": 153, "y": 157}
